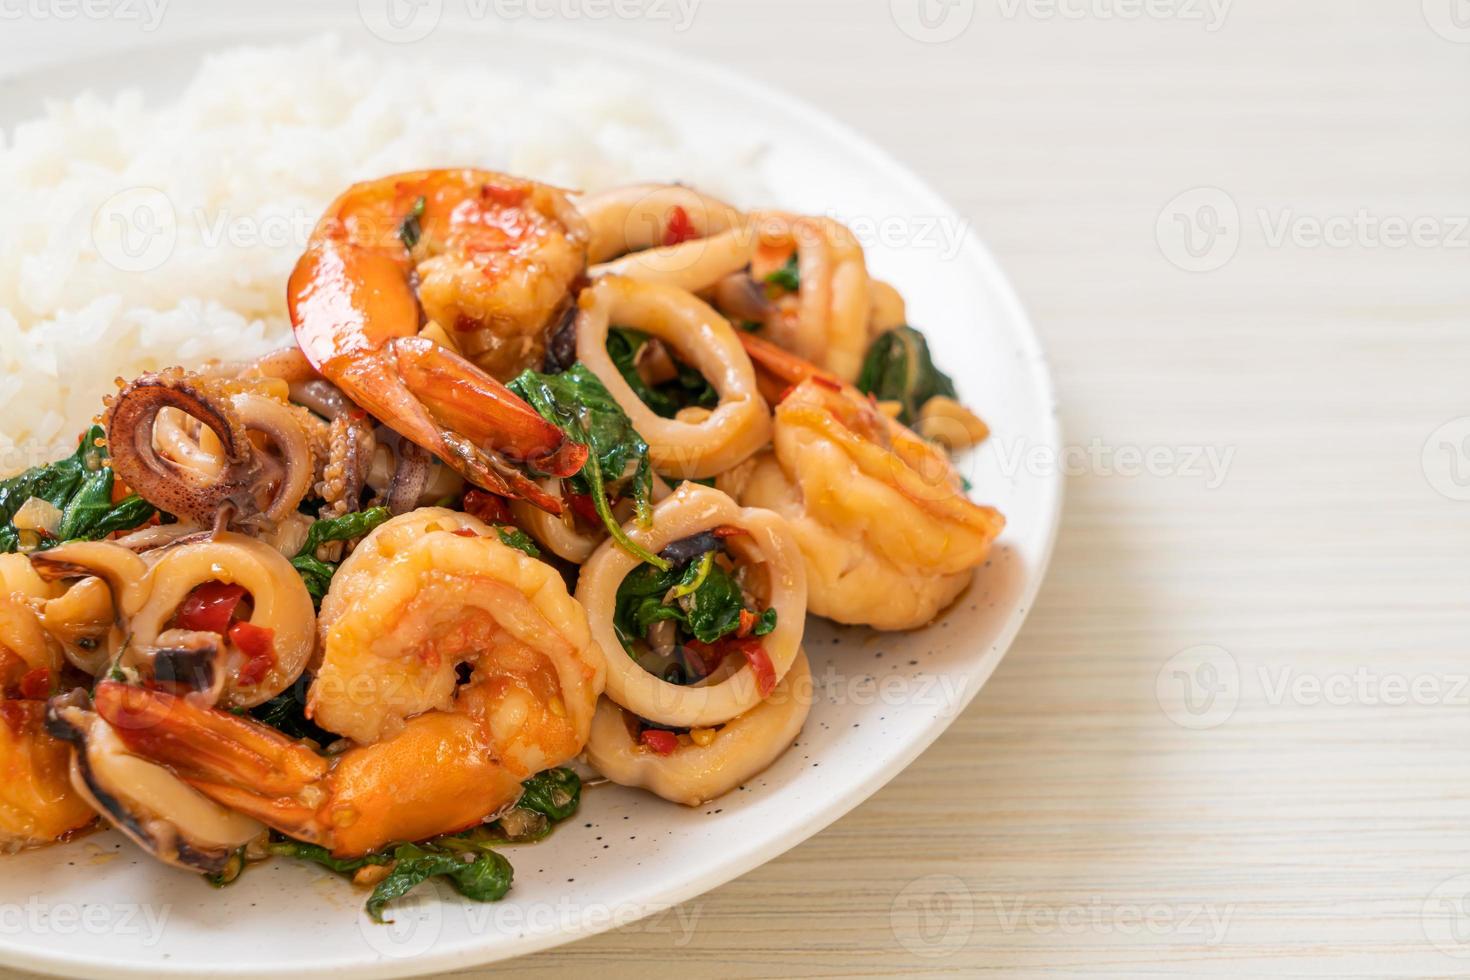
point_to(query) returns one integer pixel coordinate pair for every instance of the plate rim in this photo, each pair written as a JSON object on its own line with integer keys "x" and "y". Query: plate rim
{"x": 275, "y": 28}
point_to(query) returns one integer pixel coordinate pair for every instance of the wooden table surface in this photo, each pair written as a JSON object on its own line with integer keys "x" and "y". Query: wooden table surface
{"x": 1233, "y": 737}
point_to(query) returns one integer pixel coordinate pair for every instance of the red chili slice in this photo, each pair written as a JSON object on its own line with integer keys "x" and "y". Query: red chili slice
{"x": 749, "y": 647}
{"x": 258, "y": 643}
{"x": 748, "y": 621}
{"x": 680, "y": 228}
{"x": 584, "y": 508}
{"x": 36, "y": 684}
{"x": 487, "y": 507}
{"x": 210, "y": 607}
{"x": 760, "y": 666}
{"x": 20, "y": 715}
{"x": 503, "y": 195}
{"x": 659, "y": 742}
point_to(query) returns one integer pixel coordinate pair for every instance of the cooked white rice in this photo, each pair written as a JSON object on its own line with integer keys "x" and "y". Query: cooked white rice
{"x": 138, "y": 236}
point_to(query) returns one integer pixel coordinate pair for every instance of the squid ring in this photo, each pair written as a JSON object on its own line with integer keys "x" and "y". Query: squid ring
{"x": 281, "y": 603}
{"x": 693, "y": 774}
{"x": 768, "y": 540}
{"x": 666, "y": 233}
{"x": 641, "y": 216}
{"x": 124, "y": 571}
{"x": 560, "y": 535}
{"x": 692, "y": 266}
{"x": 739, "y": 425}
{"x": 828, "y": 324}
{"x": 282, "y": 424}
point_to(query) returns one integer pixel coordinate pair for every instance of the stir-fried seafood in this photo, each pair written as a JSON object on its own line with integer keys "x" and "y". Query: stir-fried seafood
{"x": 421, "y": 597}
{"x": 703, "y": 442}
{"x": 363, "y": 600}
{"x": 888, "y": 534}
{"x": 493, "y": 257}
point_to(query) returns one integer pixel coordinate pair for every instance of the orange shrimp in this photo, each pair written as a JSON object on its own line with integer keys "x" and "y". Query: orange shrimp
{"x": 488, "y": 262}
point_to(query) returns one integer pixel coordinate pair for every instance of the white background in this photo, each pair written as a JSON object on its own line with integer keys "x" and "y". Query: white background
{"x": 1094, "y": 810}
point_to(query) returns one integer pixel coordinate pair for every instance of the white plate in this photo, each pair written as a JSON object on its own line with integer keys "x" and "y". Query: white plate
{"x": 98, "y": 907}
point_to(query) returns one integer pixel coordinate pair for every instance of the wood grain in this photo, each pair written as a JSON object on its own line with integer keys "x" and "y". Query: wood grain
{"x": 1066, "y": 824}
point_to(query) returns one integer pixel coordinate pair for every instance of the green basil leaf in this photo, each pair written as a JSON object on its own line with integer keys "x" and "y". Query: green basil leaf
{"x": 899, "y": 368}
{"x": 485, "y": 879}
{"x": 320, "y": 855}
{"x": 317, "y": 574}
{"x": 578, "y": 404}
{"x": 688, "y": 389}
{"x": 714, "y": 608}
{"x": 412, "y": 866}
{"x": 129, "y": 513}
{"x": 708, "y": 607}
{"x": 344, "y": 528}
{"x": 80, "y": 486}
{"x": 555, "y": 793}
{"x": 514, "y": 537}
{"x": 88, "y": 506}
{"x": 286, "y": 713}
{"x": 412, "y": 230}
{"x": 788, "y": 277}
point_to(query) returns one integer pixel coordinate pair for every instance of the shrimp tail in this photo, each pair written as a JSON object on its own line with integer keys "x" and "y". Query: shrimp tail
{"x": 356, "y": 318}
{"x": 783, "y": 364}
{"x": 433, "y": 777}
{"x": 239, "y": 764}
